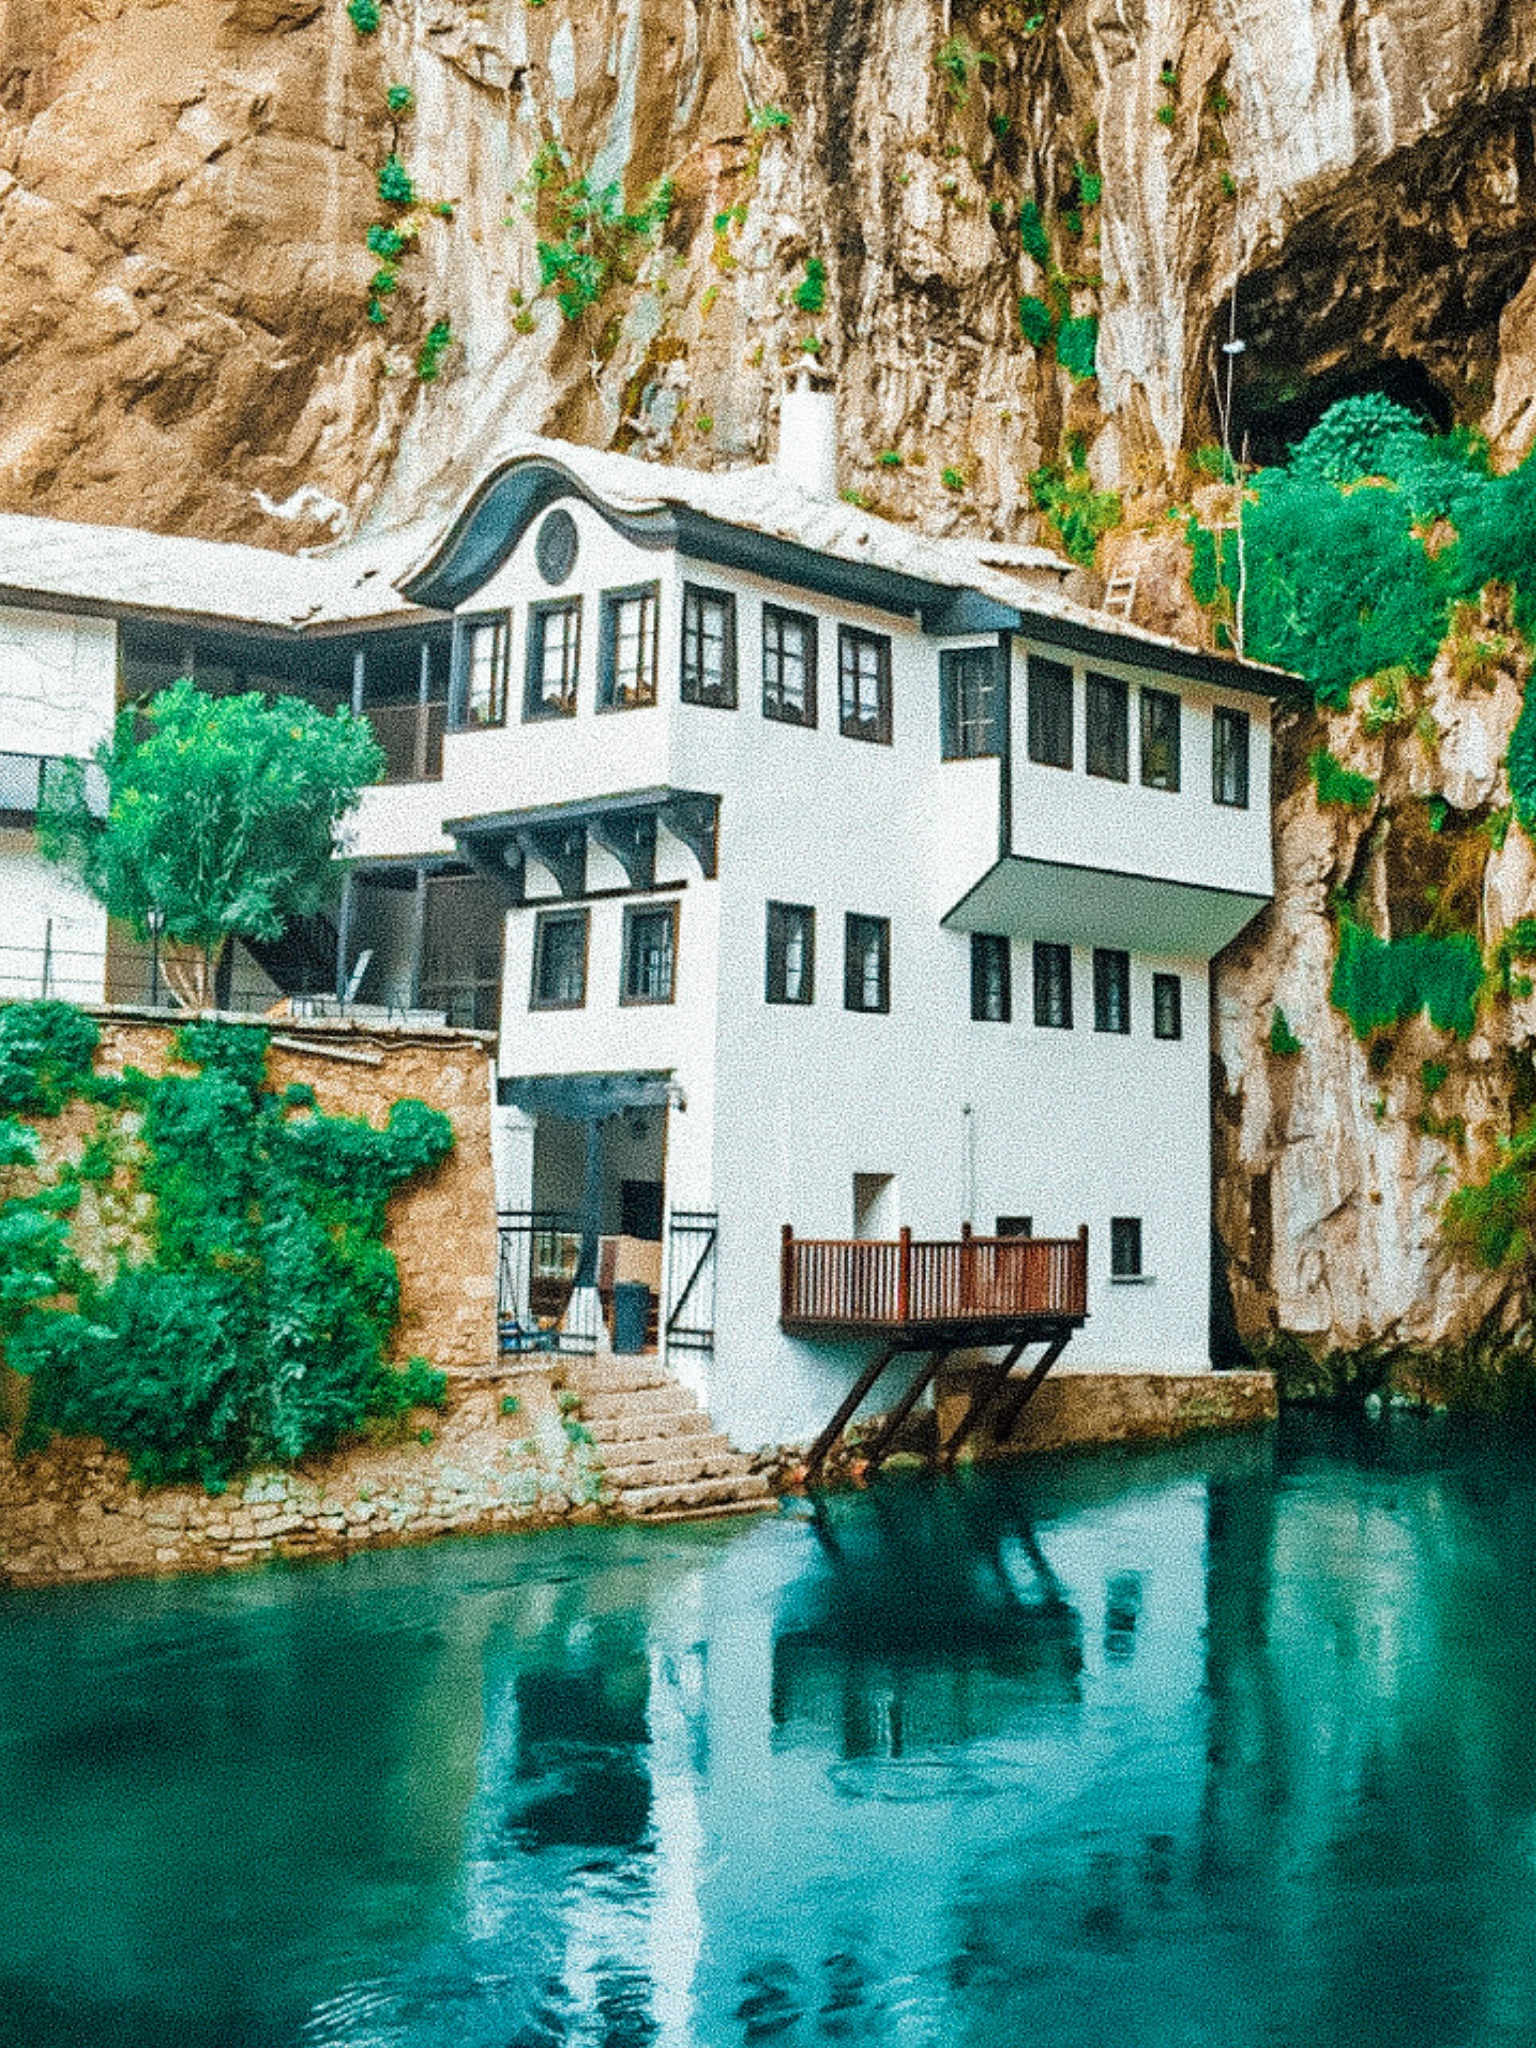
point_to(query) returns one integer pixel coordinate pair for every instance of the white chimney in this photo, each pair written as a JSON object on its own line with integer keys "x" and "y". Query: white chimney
{"x": 808, "y": 438}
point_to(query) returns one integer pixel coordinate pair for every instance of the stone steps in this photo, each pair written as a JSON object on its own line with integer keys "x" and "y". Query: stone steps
{"x": 663, "y": 1458}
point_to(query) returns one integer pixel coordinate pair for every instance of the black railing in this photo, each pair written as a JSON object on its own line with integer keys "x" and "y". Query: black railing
{"x": 539, "y": 1305}
{"x": 26, "y": 780}
{"x": 693, "y": 1237}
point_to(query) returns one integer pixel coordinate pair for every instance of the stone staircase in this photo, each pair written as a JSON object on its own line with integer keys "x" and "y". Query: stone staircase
{"x": 663, "y": 1459}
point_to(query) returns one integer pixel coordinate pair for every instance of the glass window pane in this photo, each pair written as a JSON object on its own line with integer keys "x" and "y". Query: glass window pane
{"x": 789, "y": 666}
{"x": 1159, "y": 739}
{"x": 1050, "y": 713}
{"x": 791, "y": 953}
{"x": 648, "y": 955}
{"x": 991, "y": 996}
{"x": 1125, "y": 1247}
{"x": 1053, "y": 985}
{"x": 1111, "y": 990}
{"x": 1108, "y": 723}
{"x": 970, "y": 722}
{"x": 1167, "y": 1006}
{"x": 1230, "y": 758}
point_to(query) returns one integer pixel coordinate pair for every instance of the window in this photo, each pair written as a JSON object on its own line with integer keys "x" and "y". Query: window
{"x": 554, "y": 661}
{"x": 789, "y": 666}
{"x": 970, "y": 721}
{"x": 867, "y": 963}
{"x": 864, "y": 685}
{"x": 1159, "y": 739}
{"x": 991, "y": 990}
{"x": 628, "y": 677}
{"x": 1015, "y": 1226}
{"x": 1050, "y": 713}
{"x": 1053, "y": 985}
{"x": 1229, "y": 759}
{"x": 559, "y": 960}
{"x": 1111, "y": 990}
{"x": 709, "y": 647}
{"x": 791, "y": 968}
{"x": 485, "y": 671}
{"x": 1167, "y": 1006}
{"x": 650, "y": 952}
{"x": 1125, "y": 1248}
{"x": 1108, "y": 728}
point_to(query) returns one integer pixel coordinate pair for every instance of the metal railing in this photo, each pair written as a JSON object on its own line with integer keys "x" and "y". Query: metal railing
{"x": 539, "y": 1306}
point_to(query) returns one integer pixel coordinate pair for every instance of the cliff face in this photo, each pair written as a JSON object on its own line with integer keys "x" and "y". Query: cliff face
{"x": 186, "y": 193}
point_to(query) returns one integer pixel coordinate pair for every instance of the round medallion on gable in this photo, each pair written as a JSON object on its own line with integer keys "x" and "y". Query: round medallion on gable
{"x": 554, "y": 548}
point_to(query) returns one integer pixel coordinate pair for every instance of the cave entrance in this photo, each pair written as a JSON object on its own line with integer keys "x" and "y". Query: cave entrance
{"x": 1276, "y": 411}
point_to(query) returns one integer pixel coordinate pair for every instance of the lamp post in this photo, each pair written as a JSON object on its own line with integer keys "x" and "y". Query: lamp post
{"x": 155, "y": 919}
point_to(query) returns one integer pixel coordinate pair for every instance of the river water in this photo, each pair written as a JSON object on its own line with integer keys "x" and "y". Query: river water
{"x": 1226, "y": 1746}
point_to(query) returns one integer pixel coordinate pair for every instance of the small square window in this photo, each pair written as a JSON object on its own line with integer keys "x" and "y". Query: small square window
{"x": 789, "y": 666}
{"x": 1053, "y": 985}
{"x": 559, "y": 960}
{"x": 1108, "y": 705}
{"x": 1015, "y": 1226}
{"x": 628, "y": 673}
{"x": 709, "y": 647}
{"x": 1125, "y": 1247}
{"x": 1111, "y": 990}
{"x": 991, "y": 980}
{"x": 1050, "y": 713}
{"x": 791, "y": 959}
{"x": 554, "y": 661}
{"x": 867, "y": 963}
{"x": 970, "y": 706}
{"x": 485, "y": 671}
{"x": 650, "y": 953}
{"x": 1229, "y": 758}
{"x": 1159, "y": 739}
{"x": 1167, "y": 1006}
{"x": 864, "y": 685}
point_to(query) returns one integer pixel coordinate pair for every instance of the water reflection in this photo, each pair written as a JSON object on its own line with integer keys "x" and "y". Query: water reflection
{"x": 1223, "y": 1746}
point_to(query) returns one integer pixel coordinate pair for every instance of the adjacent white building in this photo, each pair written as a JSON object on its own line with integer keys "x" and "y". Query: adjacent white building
{"x": 814, "y": 873}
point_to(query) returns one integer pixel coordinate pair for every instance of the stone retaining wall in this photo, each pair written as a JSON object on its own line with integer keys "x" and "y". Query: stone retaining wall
{"x": 501, "y": 1456}
{"x": 1081, "y": 1408}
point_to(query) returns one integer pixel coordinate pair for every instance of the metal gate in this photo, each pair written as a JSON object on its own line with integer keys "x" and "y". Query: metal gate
{"x": 539, "y": 1307}
{"x": 692, "y": 1237}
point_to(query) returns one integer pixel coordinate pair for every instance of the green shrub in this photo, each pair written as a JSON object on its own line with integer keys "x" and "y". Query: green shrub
{"x": 429, "y": 356}
{"x": 1522, "y": 763}
{"x": 1493, "y": 1222}
{"x": 810, "y": 295}
{"x": 769, "y": 118}
{"x": 386, "y": 242}
{"x": 1357, "y": 437}
{"x": 1077, "y": 345}
{"x": 952, "y": 479}
{"x": 1036, "y": 321}
{"x": 1032, "y": 232}
{"x": 592, "y": 238}
{"x": 46, "y": 1055}
{"x": 1386, "y": 699}
{"x": 1080, "y": 514}
{"x": 395, "y": 185}
{"x": 1337, "y": 785}
{"x": 255, "y": 1327}
{"x": 364, "y": 16}
{"x": 1090, "y": 185}
{"x": 1379, "y": 982}
{"x": 1283, "y": 1041}
{"x": 400, "y": 99}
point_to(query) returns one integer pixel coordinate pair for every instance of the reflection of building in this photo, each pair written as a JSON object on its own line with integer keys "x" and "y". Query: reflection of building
{"x": 817, "y": 874}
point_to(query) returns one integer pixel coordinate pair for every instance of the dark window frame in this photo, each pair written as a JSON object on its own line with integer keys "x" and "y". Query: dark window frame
{"x": 1167, "y": 1006}
{"x": 546, "y": 921}
{"x": 774, "y": 620}
{"x": 1052, "y": 974}
{"x": 1014, "y": 1226}
{"x": 1231, "y": 742}
{"x": 970, "y": 728}
{"x": 629, "y": 998}
{"x": 776, "y": 954}
{"x": 997, "y": 947}
{"x": 1125, "y": 1248}
{"x": 1050, "y": 690}
{"x": 1167, "y": 704}
{"x": 536, "y": 706}
{"x": 695, "y": 688}
{"x": 851, "y": 723}
{"x": 1112, "y": 990}
{"x": 499, "y": 625}
{"x": 1107, "y": 742}
{"x": 853, "y": 997}
{"x": 648, "y": 597}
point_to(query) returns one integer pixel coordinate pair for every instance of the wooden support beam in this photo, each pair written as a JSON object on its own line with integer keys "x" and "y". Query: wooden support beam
{"x": 1019, "y": 1399}
{"x": 898, "y": 1415}
{"x": 845, "y": 1409}
{"x": 989, "y": 1384}
{"x": 630, "y": 836}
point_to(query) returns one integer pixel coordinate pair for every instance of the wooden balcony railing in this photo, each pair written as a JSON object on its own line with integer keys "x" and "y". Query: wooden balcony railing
{"x": 891, "y": 1284}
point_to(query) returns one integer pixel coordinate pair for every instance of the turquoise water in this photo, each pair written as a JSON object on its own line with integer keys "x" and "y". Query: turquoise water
{"x": 1228, "y": 1746}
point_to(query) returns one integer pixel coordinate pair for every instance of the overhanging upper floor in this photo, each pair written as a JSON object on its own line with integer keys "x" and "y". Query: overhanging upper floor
{"x": 1087, "y": 906}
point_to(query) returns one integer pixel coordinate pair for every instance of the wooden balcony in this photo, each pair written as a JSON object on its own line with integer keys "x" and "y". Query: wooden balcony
{"x": 955, "y": 1291}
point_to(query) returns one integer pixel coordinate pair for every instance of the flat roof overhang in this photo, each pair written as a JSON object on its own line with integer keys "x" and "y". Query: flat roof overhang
{"x": 1083, "y": 906}
{"x": 586, "y": 1098}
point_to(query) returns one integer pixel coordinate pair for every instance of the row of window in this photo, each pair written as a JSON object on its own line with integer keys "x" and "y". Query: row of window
{"x": 648, "y": 957}
{"x": 1124, "y": 1242}
{"x": 628, "y": 627}
{"x": 992, "y": 987}
{"x": 1107, "y": 733}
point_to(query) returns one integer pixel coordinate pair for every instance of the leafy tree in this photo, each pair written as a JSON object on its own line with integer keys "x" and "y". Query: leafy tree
{"x": 221, "y": 816}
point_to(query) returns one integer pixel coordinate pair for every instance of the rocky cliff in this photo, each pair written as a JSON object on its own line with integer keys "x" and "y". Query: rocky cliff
{"x": 273, "y": 268}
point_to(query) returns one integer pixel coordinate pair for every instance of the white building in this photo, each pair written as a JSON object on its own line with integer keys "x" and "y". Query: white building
{"x": 822, "y": 875}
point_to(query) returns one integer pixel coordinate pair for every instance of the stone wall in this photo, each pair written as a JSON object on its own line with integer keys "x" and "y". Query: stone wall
{"x": 501, "y": 1455}
{"x": 1081, "y": 1408}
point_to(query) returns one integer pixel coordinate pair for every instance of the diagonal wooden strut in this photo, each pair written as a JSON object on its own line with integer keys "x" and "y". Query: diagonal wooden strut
{"x": 1017, "y": 1401}
{"x": 988, "y": 1385}
{"x": 898, "y": 1415}
{"x": 834, "y": 1428}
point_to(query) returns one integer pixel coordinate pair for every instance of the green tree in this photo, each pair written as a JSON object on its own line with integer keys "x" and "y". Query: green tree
{"x": 221, "y": 814}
